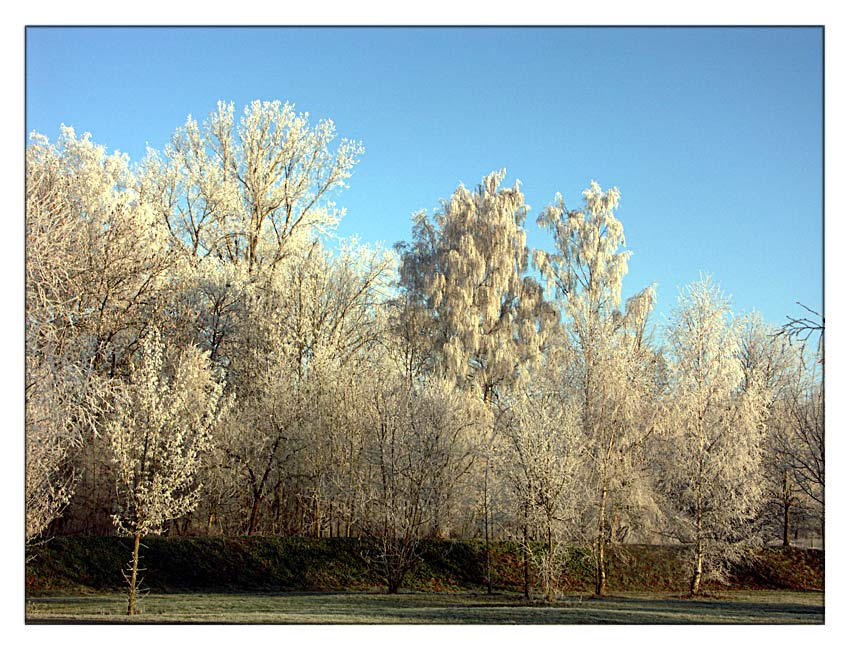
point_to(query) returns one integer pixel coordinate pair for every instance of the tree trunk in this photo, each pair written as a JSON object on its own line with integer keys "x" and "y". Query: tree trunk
{"x": 786, "y": 511}
{"x": 131, "y": 603}
{"x": 318, "y": 516}
{"x": 526, "y": 576}
{"x": 786, "y": 524}
{"x": 301, "y": 512}
{"x": 601, "y": 579}
{"x": 487, "y": 529}
{"x": 486, "y": 397}
{"x": 393, "y": 579}
{"x": 255, "y": 511}
{"x": 696, "y": 580}
{"x": 550, "y": 564}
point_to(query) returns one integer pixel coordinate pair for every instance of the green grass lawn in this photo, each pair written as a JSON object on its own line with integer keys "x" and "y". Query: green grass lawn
{"x": 730, "y": 607}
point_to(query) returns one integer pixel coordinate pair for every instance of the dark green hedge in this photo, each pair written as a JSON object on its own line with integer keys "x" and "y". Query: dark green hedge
{"x": 244, "y": 564}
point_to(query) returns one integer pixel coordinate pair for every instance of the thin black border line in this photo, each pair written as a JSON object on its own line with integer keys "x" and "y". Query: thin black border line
{"x": 426, "y": 26}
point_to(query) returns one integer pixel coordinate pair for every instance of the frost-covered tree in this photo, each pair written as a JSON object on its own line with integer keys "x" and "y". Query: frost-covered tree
{"x": 774, "y": 361}
{"x": 96, "y": 270}
{"x": 808, "y": 410}
{"x": 613, "y": 363}
{"x": 61, "y": 404}
{"x": 466, "y": 267}
{"x": 161, "y": 428}
{"x": 234, "y": 198}
{"x": 98, "y": 251}
{"x": 248, "y": 191}
{"x": 541, "y": 453}
{"x": 715, "y": 435}
{"x": 47, "y": 487}
{"x": 51, "y": 313}
{"x": 315, "y": 315}
{"x": 486, "y": 319}
{"x": 805, "y": 409}
{"x": 417, "y": 442}
{"x": 807, "y": 445}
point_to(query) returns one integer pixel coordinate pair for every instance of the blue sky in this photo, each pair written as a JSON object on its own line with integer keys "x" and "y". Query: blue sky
{"x": 713, "y": 135}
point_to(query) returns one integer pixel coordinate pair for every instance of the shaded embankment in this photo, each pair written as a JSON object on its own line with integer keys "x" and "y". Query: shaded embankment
{"x": 258, "y": 564}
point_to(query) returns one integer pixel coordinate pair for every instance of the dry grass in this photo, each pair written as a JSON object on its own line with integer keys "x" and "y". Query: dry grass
{"x": 734, "y": 607}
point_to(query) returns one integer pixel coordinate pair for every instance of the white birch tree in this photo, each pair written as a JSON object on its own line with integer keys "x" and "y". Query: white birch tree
{"x": 613, "y": 362}
{"x": 466, "y": 268}
{"x": 713, "y": 481}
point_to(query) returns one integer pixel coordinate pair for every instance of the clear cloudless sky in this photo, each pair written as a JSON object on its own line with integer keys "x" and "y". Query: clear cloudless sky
{"x": 713, "y": 135}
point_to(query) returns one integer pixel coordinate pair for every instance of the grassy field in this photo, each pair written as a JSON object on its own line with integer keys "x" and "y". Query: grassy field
{"x": 730, "y": 607}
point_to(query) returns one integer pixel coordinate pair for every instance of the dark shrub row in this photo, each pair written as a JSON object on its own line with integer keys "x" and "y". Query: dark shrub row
{"x": 240, "y": 564}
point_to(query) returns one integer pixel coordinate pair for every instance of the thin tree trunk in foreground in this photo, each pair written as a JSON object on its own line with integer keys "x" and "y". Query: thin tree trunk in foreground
{"x": 697, "y": 577}
{"x": 131, "y": 604}
{"x": 550, "y": 564}
{"x": 526, "y": 576}
{"x": 786, "y": 511}
{"x": 487, "y": 529}
{"x": 601, "y": 580}
{"x": 317, "y": 516}
{"x": 696, "y": 580}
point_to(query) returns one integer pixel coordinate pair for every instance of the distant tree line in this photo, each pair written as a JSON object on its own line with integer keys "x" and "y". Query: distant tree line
{"x": 200, "y": 361}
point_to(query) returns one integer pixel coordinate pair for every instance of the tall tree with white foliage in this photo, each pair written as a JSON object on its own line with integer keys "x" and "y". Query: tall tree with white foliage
{"x": 715, "y": 435}
{"x": 314, "y": 311}
{"x": 466, "y": 268}
{"x": 612, "y": 361}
